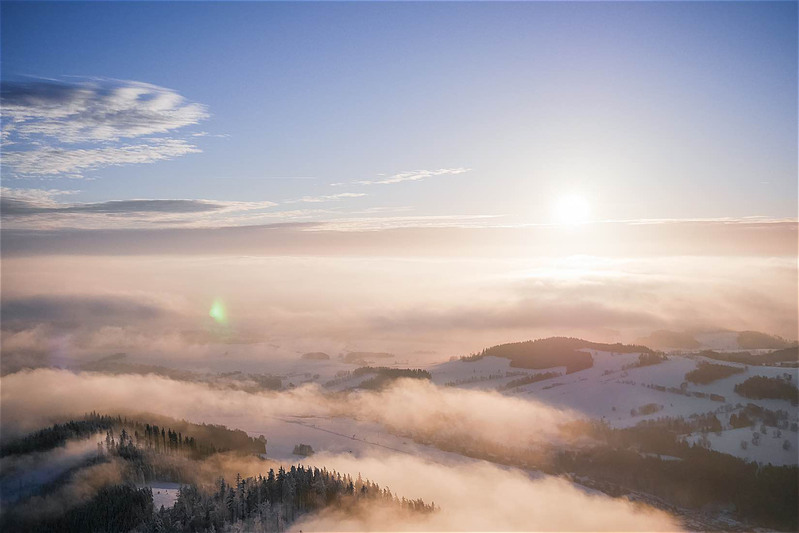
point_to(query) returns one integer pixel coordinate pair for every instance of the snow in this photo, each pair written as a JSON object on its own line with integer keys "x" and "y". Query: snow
{"x": 487, "y": 373}
{"x": 769, "y": 449}
{"x": 718, "y": 340}
{"x": 164, "y": 493}
{"x": 337, "y": 435}
{"x": 605, "y": 391}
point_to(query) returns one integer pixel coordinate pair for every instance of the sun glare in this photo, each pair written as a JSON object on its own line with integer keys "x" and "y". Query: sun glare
{"x": 572, "y": 209}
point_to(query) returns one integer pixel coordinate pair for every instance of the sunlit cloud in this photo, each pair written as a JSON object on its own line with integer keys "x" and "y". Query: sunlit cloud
{"x": 480, "y": 496}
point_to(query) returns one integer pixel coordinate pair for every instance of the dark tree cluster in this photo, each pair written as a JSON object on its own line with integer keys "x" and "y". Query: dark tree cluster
{"x": 785, "y": 355}
{"x": 265, "y": 503}
{"x": 385, "y": 375}
{"x": 756, "y": 339}
{"x": 683, "y": 391}
{"x": 169, "y": 435}
{"x": 752, "y": 413}
{"x": 552, "y": 352}
{"x": 701, "y": 477}
{"x": 58, "y": 434}
{"x": 759, "y": 387}
{"x": 706, "y": 373}
{"x": 305, "y": 450}
{"x": 647, "y": 359}
{"x": 271, "y": 502}
{"x": 113, "y": 508}
{"x": 527, "y": 380}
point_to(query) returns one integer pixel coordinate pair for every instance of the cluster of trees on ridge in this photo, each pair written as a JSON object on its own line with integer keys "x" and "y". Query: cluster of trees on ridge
{"x": 705, "y": 373}
{"x": 385, "y": 375}
{"x": 759, "y": 387}
{"x": 552, "y": 352}
{"x": 152, "y": 431}
{"x": 264, "y": 503}
{"x": 784, "y": 355}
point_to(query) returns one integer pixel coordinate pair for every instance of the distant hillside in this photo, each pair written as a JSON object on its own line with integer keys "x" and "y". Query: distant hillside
{"x": 363, "y": 357}
{"x": 670, "y": 339}
{"x": 554, "y": 351}
{"x": 315, "y": 356}
{"x": 786, "y": 355}
{"x": 384, "y": 376}
{"x": 752, "y": 340}
{"x": 118, "y": 364}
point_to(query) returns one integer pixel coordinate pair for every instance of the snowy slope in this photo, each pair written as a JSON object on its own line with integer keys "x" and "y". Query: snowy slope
{"x": 768, "y": 450}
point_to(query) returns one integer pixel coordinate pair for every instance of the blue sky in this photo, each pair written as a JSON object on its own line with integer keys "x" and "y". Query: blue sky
{"x": 646, "y": 110}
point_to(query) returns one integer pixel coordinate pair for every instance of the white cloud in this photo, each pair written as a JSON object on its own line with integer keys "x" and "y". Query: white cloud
{"x": 96, "y": 111}
{"x": 52, "y": 161}
{"x": 44, "y": 120}
{"x": 411, "y": 175}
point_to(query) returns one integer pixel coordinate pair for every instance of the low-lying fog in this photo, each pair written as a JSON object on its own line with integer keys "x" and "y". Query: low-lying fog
{"x": 265, "y": 309}
{"x": 472, "y": 494}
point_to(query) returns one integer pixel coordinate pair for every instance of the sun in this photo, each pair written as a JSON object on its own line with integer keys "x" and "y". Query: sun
{"x": 572, "y": 209}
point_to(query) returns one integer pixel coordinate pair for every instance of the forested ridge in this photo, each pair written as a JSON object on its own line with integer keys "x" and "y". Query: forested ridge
{"x": 552, "y": 352}
{"x": 153, "y": 431}
{"x": 269, "y": 502}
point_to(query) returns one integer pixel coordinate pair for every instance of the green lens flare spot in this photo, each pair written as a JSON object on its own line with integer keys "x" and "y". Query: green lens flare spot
{"x": 217, "y": 312}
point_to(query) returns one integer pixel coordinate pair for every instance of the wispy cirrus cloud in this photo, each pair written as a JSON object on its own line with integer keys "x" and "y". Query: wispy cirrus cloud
{"x": 39, "y": 208}
{"x": 66, "y": 128}
{"x": 325, "y": 198}
{"x": 411, "y": 175}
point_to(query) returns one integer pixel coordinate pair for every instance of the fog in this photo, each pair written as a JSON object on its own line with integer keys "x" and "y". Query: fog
{"x": 80, "y": 488}
{"x": 220, "y": 312}
{"x": 480, "y": 496}
{"x": 23, "y": 474}
{"x": 473, "y": 495}
{"x": 157, "y": 308}
{"x": 31, "y": 399}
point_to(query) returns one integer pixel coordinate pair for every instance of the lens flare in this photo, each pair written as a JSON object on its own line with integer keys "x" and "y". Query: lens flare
{"x": 218, "y": 312}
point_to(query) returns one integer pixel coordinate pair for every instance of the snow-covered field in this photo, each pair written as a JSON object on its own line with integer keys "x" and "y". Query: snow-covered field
{"x": 769, "y": 447}
{"x": 488, "y": 373}
{"x": 606, "y": 391}
{"x": 164, "y": 493}
{"x": 338, "y": 435}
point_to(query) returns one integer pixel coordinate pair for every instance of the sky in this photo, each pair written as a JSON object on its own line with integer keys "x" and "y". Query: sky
{"x": 372, "y": 110}
{"x": 418, "y": 177}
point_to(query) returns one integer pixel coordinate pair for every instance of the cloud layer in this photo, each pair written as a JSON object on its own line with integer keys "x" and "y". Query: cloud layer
{"x": 85, "y": 306}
